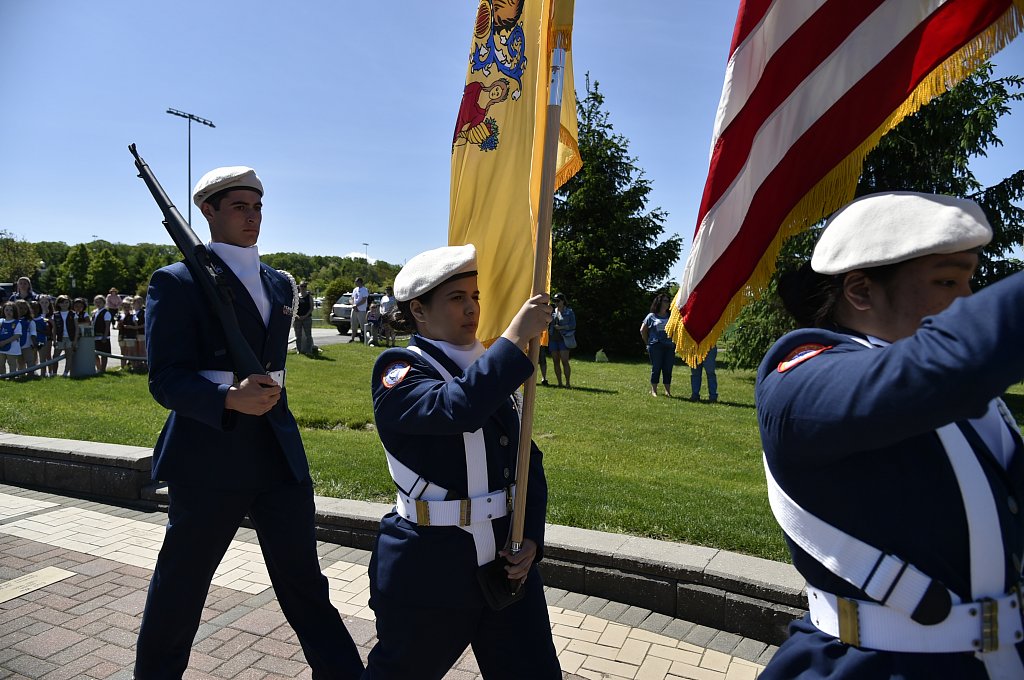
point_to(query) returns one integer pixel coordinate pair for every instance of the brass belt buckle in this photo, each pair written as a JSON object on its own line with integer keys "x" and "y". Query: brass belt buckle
{"x": 422, "y": 513}
{"x": 989, "y": 624}
{"x": 849, "y": 621}
{"x": 465, "y": 512}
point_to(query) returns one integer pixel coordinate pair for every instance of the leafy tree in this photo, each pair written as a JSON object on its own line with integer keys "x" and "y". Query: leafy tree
{"x": 607, "y": 255}
{"x": 298, "y": 265}
{"x": 332, "y": 291}
{"x": 17, "y": 258}
{"x": 72, "y": 277}
{"x": 929, "y": 151}
{"x": 106, "y": 271}
{"x": 51, "y": 254}
{"x": 154, "y": 260}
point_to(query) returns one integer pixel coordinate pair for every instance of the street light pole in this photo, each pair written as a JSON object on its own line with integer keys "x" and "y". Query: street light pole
{"x": 366, "y": 256}
{"x": 190, "y": 117}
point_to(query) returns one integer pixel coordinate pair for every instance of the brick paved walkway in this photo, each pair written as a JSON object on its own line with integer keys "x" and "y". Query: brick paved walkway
{"x": 100, "y": 557}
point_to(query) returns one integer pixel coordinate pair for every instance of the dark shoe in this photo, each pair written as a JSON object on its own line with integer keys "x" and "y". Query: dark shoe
{"x": 697, "y": 398}
{"x": 713, "y": 399}
{"x": 544, "y": 383}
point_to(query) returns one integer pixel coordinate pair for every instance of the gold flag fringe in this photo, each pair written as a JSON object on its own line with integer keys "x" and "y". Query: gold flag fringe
{"x": 838, "y": 186}
{"x": 575, "y": 163}
{"x": 563, "y": 33}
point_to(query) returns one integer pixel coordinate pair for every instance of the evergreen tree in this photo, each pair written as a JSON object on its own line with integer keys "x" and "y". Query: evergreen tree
{"x": 606, "y": 255}
{"x": 929, "y": 151}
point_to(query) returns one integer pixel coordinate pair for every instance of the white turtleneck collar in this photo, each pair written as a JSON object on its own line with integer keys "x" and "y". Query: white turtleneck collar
{"x": 245, "y": 263}
{"x": 462, "y": 355}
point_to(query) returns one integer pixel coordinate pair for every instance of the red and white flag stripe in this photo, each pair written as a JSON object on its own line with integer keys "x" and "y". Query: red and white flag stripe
{"x": 810, "y": 87}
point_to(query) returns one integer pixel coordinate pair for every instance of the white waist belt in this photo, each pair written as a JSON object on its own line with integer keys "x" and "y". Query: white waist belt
{"x": 229, "y": 378}
{"x": 970, "y": 627}
{"x": 456, "y": 513}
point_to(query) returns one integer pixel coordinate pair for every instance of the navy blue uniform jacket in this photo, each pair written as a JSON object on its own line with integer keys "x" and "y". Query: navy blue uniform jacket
{"x": 421, "y": 421}
{"x": 201, "y": 442}
{"x": 849, "y": 434}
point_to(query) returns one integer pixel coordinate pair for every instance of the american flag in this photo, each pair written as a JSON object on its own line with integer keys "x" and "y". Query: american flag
{"x": 810, "y": 88}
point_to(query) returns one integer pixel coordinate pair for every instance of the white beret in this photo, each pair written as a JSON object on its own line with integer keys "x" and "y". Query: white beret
{"x": 219, "y": 179}
{"x": 426, "y": 271}
{"x": 896, "y": 226}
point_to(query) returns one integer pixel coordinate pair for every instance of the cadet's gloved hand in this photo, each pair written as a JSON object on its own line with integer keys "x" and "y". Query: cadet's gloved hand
{"x": 254, "y": 396}
{"x": 521, "y": 561}
{"x": 532, "y": 318}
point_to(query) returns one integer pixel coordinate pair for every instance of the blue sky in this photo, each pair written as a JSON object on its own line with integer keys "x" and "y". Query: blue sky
{"x": 345, "y": 109}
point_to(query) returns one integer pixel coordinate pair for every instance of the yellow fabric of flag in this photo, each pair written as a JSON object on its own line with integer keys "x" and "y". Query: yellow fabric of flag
{"x": 497, "y": 147}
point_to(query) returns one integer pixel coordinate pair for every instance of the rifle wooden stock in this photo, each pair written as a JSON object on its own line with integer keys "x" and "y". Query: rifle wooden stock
{"x": 197, "y": 259}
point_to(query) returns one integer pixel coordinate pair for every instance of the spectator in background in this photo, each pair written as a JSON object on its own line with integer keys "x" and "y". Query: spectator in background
{"x": 388, "y": 303}
{"x": 708, "y": 366}
{"x": 102, "y": 323}
{"x": 138, "y": 324}
{"x": 64, "y": 333}
{"x": 28, "y": 335}
{"x": 23, "y": 291}
{"x": 561, "y": 338}
{"x": 98, "y": 302}
{"x": 44, "y": 331}
{"x": 303, "y": 322}
{"x": 126, "y": 332}
{"x": 360, "y": 297}
{"x": 660, "y": 347}
{"x": 388, "y": 309}
{"x": 80, "y": 307}
{"x": 542, "y": 358}
{"x": 373, "y": 323}
{"x": 10, "y": 339}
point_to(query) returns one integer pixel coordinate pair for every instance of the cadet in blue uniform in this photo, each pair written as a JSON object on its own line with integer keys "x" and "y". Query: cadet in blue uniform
{"x": 894, "y": 468}
{"x": 230, "y": 446}
{"x": 446, "y": 415}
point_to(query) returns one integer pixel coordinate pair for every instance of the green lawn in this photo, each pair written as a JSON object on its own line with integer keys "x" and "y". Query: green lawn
{"x": 617, "y": 459}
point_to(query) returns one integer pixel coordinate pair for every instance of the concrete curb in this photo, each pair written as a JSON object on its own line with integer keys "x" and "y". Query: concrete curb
{"x": 746, "y": 595}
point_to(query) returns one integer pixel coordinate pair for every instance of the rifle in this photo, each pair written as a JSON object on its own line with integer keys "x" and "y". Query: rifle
{"x": 197, "y": 258}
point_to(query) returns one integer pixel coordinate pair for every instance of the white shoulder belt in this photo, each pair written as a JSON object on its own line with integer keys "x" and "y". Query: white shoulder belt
{"x": 422, "y": 502}
{"x": 913, "y": 612}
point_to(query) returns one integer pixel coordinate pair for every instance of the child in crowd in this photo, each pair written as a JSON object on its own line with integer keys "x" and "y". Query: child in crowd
{"x": 102, "y": 324}
{"x": 79, "y": 307}
{"x": 28, "y": 335}
{"x": 10, "y": 339}
{"x": 44, "y": 332}
{"x": 126, "y": 332}
{"x": 139, "y": 323}
{"x": 64, "y": 333}
{"x": 373, "y": 322}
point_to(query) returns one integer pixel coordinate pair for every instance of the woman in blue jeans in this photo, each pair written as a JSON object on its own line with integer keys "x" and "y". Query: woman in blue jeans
{"x": 660, "y": 348}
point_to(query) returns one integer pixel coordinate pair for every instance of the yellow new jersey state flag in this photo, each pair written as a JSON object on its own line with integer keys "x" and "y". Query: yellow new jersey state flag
{"x": 497, "y": 146}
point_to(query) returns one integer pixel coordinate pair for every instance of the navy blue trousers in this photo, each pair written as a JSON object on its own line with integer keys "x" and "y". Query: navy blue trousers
{"x": 201, "y": 524}
{"x": 423, "y": 643}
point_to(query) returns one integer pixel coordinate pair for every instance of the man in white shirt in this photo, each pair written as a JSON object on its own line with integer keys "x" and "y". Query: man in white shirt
{"x": 360, "y": 299}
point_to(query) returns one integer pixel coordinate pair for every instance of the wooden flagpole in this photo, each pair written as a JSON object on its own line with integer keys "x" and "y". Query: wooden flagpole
{"x": 542, "y": 252}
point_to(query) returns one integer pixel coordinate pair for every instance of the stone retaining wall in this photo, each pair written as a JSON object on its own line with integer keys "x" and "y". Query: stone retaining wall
{"x": 749, "y": 596}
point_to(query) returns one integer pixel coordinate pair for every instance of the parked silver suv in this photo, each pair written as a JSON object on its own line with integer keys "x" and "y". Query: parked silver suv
{"x": 341, "y": 312}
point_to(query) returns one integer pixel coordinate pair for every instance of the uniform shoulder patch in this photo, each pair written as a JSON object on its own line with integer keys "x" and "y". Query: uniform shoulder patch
{"x": 802, "y": 354}
{"x": 394, "y": 373}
